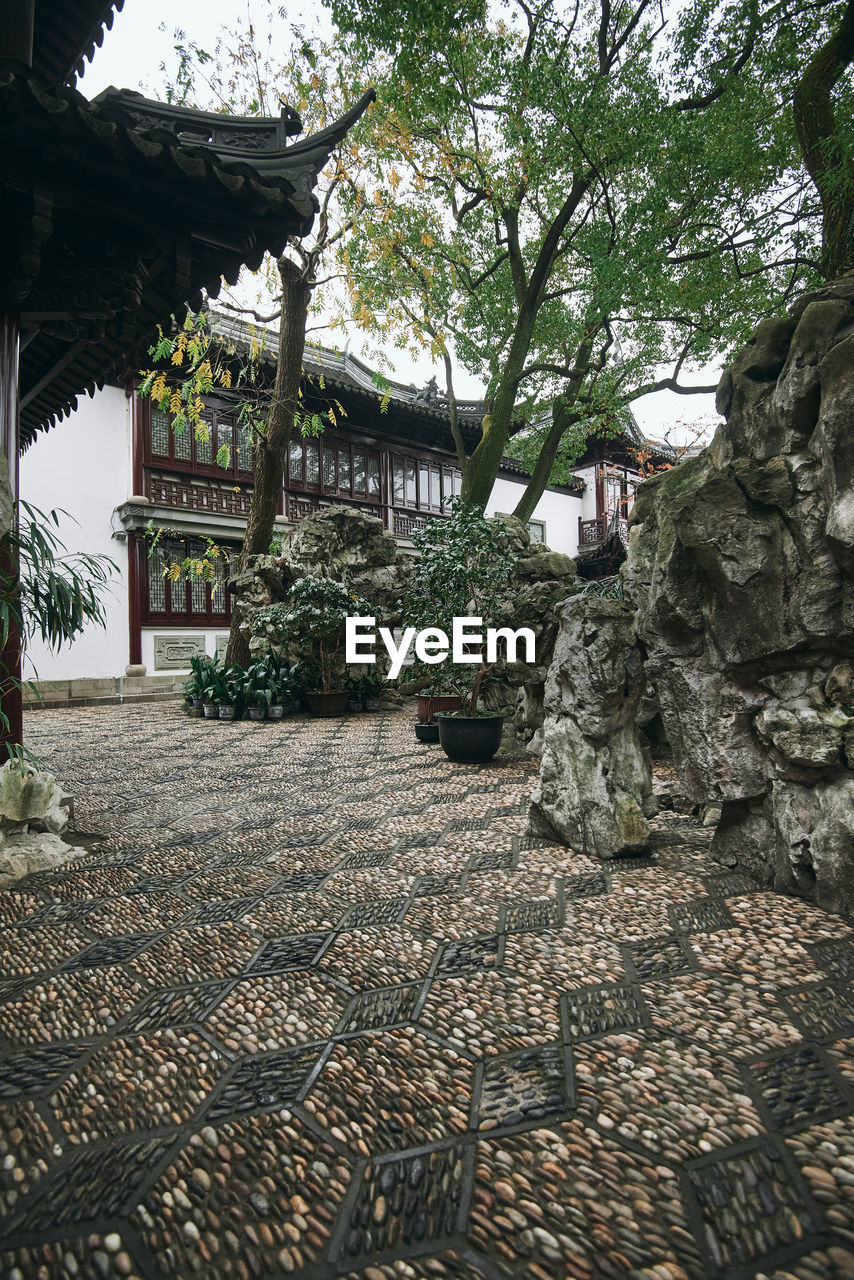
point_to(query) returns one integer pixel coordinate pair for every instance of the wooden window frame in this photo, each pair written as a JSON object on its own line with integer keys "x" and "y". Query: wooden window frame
{"x": 213, "y": 415}
{"x": 171, "y": 617}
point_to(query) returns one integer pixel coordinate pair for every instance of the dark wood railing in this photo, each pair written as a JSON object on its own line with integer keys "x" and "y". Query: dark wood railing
{"x": 592, "y": 532}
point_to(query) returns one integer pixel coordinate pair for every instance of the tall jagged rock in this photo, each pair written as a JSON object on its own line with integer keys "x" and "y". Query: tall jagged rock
{"x": 741, "y": 567}
{"x": 595, "y": 787}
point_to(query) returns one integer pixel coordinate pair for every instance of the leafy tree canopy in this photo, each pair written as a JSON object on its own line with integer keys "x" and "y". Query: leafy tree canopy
{"x": 568, "y": 197}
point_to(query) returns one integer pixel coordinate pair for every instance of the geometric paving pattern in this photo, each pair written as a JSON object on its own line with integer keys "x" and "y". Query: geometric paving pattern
{"x": 315, "y": 1005}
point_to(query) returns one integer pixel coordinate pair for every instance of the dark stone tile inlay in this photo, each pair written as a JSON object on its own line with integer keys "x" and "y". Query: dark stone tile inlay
{"x": 219, "y": 912}
{"x": 798, "y": 1088}
{"x": 751, "y": 1205}
{"x": 824, "y": 1011}
{"x": 659, "y": 958}
{"x": 373, "y": 914}
{"x": 284, "y": 955}
{"x": 598, "y": 1011}
{"x": 533, "y": 916}
{"x": 273, "y": 1080}
{"x": 433, "y": 886}
{"x": 407, "y": 1201}
{"x": 109, "y": 951}
{"x": 95, "y": 1183}
{"x": 37, "y": 1070}
{"x": 529, "y": 1087}
{"x": 835, "y": 956}
{"x": 703, "y": 916}
{"x": 176, "y": 1008}
{"x": 468, "y": 954}
{"x": 500, "y": 860}
{"x": 362, "y": 859}
{"x": 585, "y": 886}
{"x": 385, "y": 1007}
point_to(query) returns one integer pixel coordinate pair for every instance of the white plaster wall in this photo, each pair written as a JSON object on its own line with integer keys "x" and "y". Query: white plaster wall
{"x": 559, "y": 510}
{"x": 148, "y": 634}
{"x": 588, "y": 501}
{"x": 83, "y": 466}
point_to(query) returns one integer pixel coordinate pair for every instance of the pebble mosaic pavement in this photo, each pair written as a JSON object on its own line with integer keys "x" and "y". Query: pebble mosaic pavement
{"x": 314, "y": 1004}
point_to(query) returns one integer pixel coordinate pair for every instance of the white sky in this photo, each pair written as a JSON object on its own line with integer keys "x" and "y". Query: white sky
{"x": 131, "y": 58}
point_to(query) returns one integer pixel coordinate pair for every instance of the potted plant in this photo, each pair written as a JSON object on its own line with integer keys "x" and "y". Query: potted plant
{"x": 460, "y": 572}
{"x": 228, "y": 691}
{"x": 256, "y": 692}
{"x": 372, "y": 686}
{"x": 355, "y": 699}
{"x": 311, "y": 624}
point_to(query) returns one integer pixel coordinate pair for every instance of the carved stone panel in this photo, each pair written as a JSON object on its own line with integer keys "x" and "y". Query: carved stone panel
{"x": 173, "y": 653}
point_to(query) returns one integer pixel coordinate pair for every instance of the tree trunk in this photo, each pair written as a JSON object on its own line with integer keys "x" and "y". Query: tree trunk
{"x": 271, "y": 447}
{"x": 561, "y": 422}
{"x": 480, "y": 474}
{"x": 822, "y": 148}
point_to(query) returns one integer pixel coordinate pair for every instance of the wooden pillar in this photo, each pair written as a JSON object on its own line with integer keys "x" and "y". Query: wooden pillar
{"x": 10, "y": 657}
{"x": 134, "y": 616}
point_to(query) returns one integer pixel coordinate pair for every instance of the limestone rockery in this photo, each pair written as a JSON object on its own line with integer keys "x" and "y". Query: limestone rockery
{"x": 352, "y": 547}
{"x": 741, "y": 570}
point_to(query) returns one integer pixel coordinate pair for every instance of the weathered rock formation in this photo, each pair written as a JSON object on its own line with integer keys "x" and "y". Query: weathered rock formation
{"x": 541, "y": 579}
{"x": 34, "y": 811}
{"x": 595, "y": 789}
{"x": 741, "y": 567}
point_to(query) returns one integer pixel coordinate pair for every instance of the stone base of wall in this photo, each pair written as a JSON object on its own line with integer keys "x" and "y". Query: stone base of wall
{"x": 110, "y": 691}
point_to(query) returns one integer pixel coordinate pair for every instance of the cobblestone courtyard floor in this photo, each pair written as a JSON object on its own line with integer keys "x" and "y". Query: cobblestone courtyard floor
{"x": 315, "y": 1005}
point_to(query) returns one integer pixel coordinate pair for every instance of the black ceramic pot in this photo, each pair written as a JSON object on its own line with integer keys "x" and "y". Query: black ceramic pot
{"x": 427, "y": 732}
{"x": 470, "y": 739}
{"x": 327, "y": 704}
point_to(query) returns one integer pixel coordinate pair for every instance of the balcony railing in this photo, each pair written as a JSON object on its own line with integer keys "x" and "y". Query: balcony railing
{"x": 207, "y": 497}
{"x": 592, "y": 532}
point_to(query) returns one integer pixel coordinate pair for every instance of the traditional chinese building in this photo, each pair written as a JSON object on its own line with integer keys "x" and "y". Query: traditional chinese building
{"x": 117, "y": 213}
{"x": 390, "y": 453}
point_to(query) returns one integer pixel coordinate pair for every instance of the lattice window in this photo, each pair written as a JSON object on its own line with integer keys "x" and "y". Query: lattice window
{"x": 183, "y": 443}
{"x": 189, "y": 599}
{"x": 295, "y": 463}
{"x": 344, "y": 468}
{"x": 312, "y": 462}
{"x": 204, "y": 448}
{"x": 198, "y": 595}
{"x": 244, "y": 447}
{"x": 159, "y": 432}
{"x": 156, "y": 581}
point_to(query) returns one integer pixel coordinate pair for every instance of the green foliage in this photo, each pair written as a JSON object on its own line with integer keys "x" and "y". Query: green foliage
{"x": 54, "y": 594}
{"x": 47, "y": 592}
{"x": 582, "y": 202}
{"x": 460, "y": 570}
{"x": 610, "y": 588}
{"x": 311, "y": 624}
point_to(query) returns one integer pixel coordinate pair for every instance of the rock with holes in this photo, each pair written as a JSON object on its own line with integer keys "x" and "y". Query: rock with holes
{"x": 595, "y": 787}
{"x": 741, "y": 568}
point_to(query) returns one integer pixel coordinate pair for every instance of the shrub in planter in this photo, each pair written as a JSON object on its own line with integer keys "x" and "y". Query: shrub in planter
{"x": 256, "y": 690}
{"x": 310, "y": 624}
{"x": 461, "y": 572}
{"x": 355, "y": 700}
